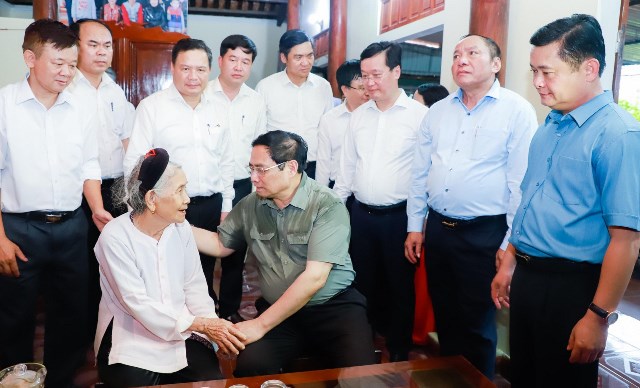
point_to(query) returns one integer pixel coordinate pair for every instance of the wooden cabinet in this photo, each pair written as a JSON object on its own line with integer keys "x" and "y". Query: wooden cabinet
{"x": 396, "y": 13}
{"x": 142, "y": 59}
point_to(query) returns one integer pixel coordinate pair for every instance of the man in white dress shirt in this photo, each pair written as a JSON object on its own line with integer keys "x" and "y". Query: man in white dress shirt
{"x": 375, "y": 166}
{"x": 48, "y": 158}
{"x": 471, "y": 157}
{"x": 115, "y": 119}
{"x": 241, "y": 111}
{"x": 334, "y": 123}
{"x": 182, "y": 120}
{"x": 296, "y": 99}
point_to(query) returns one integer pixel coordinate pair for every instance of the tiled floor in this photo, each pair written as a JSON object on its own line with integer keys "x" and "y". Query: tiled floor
{"x": 620, "y": 365}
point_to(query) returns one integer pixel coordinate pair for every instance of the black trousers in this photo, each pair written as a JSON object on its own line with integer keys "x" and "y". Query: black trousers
{"x": 337, "y": 331}
{"x": 383, "y": 274}
{"x": 57, "y": 267}
{"x": 233, "y": 265}
{"x": 460, "y": 263}
{"x": 202, "y": 365}
{"x": 93, "y": 286}
{"x": 546, "y": 303}
{"x": 204, "y": 212}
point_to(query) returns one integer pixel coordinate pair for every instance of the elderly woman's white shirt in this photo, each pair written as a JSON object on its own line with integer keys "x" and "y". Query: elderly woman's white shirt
{"x": 153, "y": 290}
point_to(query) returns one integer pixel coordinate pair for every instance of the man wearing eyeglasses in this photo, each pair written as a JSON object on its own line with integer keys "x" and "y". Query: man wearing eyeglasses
{"x": 468, "y": 165}
{"x": 335, "y": 122}
{"x": 298, "y": 233}
{"x": 241, "y": 112}
{"x": 375, "y": 166}
{"x": 296, "y": 99}
{"x": 182, "y": 120}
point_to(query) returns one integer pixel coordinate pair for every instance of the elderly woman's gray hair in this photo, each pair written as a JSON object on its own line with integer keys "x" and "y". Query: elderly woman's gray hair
{"x": 128, "y": 191}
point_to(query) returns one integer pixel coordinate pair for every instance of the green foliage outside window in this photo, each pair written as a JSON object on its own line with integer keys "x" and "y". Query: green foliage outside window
{"x": 631, "y": 108}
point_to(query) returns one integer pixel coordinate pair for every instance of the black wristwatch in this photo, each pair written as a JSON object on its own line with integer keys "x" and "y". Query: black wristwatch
{"x": 609, "y": 317}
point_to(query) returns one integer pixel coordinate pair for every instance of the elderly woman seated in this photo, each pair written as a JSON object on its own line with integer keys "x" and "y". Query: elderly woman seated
{"x": 157, "y": 323}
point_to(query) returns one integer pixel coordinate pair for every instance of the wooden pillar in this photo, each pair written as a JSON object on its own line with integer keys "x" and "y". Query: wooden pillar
{"x": 622, "y": 32}
{"x": 293, "y": 15}
{"x": 43, "y": 9}
{"x": 490, "y": 18}
{"x": 337, "y": 41}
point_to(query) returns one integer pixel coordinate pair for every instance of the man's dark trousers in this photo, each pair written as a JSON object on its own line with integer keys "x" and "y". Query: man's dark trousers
{"x": 460, "y": 259}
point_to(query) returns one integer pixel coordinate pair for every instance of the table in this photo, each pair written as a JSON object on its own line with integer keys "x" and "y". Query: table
{"x": 440, "y": 372}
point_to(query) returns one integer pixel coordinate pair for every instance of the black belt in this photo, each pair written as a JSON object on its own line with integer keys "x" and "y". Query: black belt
{"x": 554, "y": 264}
{"x": 373, "y": 209}
{"x": 453, "y": 223}
{"x": 201, "y": 198}
{"x": 49, "y": 217}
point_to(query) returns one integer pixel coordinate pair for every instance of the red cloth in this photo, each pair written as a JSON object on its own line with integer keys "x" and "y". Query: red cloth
{"x": 423, "y": 322}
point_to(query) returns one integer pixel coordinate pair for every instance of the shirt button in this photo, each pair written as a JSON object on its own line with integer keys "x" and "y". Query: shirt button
{"x": 468, "y": 113}
{"x": 445, "y": 209}
{"x": 285, "y": 262}
{"x": 446, "y": 190}
{"x": 457, "y": 150}
{"x": 462, "y": 131}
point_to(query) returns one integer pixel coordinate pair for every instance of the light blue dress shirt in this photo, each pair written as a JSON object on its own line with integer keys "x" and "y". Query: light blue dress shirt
{"x": 583, "y": 176}
{"x": 470, "y": 163}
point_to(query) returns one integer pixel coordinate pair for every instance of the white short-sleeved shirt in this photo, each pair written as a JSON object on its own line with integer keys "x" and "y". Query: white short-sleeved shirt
{"x": 114, "y": 116}
{"x": 193, "y": 139}
{"x": 294, "y": 108}
{"x": 45, "y": 154}
{"x": 244, "y": 118}
{"x": 333, "y": 126}
{"x": 376, "y": 158}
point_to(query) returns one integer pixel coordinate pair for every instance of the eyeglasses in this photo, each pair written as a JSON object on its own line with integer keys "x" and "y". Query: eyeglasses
{"x": 261, "y": 171}
{"x": 374, "y": 77}
{"x": 360, "y": 89}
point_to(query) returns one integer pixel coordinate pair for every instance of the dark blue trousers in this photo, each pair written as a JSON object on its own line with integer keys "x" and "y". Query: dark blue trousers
{"x": 57, "y": 268}
{"x": 460, "y": 262}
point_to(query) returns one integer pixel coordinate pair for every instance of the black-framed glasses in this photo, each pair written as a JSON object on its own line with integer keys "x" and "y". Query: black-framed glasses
{"x": 360, "y": 89}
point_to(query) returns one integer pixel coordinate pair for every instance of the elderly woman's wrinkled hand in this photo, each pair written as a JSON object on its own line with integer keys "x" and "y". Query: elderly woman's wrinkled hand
{"x": 222, "y": 332}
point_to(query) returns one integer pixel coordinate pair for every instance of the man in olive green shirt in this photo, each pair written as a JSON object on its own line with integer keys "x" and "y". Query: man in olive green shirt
{"x": 298, "y": 232}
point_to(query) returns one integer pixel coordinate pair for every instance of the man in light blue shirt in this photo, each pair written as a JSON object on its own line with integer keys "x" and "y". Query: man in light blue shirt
{"x": 470, "y": 160}
{"x": 575, "y": 235}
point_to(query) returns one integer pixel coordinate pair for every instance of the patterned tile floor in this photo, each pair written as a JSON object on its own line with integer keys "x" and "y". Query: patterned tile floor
{"x": 619, "y": 367}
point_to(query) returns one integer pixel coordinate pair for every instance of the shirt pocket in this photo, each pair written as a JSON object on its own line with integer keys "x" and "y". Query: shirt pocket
{"x": 298, "y": 246}
{"x": 261, "y": 245}
{"x": 488, "y": 144}
{"x": 576, "y": 191}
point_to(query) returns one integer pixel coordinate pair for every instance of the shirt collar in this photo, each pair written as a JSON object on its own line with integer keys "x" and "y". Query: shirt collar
{"x": 105, "y": 79}
{"x": 342, "y": 108}
{"x": 25, "y": 93}
{"x": 582, "y": 113}
{"x": 402, "y": 101}
{"x": 284, "y": 78}
{"x": 494, "y": 92}
{"x": 300, "y": 198}
{"x": 175, "y": 95}
{"x": 217, "y": 88}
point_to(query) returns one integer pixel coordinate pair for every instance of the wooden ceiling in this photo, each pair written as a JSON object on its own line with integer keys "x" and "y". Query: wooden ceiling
{"x": 262, "y": 9}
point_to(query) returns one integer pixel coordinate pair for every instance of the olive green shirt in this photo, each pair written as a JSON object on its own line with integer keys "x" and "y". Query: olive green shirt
{"x": 314, "y": 226}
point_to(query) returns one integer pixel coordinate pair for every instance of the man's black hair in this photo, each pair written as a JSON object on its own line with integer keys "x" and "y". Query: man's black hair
{"x": 188, "y": 44}
{"x": 284, "y": 146}
{"x": 232, "y": 42}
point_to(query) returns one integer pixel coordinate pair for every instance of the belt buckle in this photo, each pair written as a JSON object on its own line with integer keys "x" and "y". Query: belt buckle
{"x": 52, "y": 218}
{"x": 525, "y": 257}
{"x": 449, "y": 224}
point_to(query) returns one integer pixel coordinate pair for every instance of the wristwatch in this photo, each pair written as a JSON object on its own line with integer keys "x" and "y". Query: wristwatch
{"x": 609, "y": 317}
